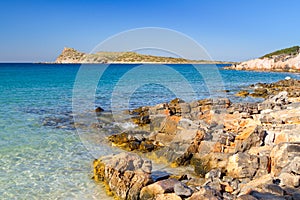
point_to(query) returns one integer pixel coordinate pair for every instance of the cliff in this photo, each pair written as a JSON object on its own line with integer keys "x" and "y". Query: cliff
{"x": 287, "y": 60}
{"x": 70, "y": 55}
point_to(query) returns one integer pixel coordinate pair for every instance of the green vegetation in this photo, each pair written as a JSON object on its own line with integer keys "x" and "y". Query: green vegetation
{"x": 135, "y": 57}
{"x": 288, "y": 51}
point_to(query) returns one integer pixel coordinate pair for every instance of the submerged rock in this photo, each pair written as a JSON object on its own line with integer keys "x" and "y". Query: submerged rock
{"x": 134, "y": 141}
{"x": 242, "y": 93}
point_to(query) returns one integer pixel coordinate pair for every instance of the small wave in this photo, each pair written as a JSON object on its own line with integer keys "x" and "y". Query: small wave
{"x": 125, "y": 125}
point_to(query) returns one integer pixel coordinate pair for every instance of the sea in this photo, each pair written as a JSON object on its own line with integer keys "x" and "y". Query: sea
{"x": 43, "y": 155}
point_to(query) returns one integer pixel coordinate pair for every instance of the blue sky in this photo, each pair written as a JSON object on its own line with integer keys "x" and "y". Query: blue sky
{"x": 233, "y": 30}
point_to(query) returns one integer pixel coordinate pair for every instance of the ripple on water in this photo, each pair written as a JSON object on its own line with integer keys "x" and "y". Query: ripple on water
{"x": 37, "y": 162}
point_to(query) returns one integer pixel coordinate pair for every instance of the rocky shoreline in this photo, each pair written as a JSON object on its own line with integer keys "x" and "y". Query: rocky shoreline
{"x": 236, "y": 150}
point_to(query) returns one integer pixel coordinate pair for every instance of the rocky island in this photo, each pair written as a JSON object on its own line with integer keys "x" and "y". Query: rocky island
{"x": 70, "y": 55}
{"x": 244, "y": 151}
{"x": 284, "y": 60}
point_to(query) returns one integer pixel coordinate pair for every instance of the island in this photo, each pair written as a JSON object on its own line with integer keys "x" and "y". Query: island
{"x": 72, "y": 56}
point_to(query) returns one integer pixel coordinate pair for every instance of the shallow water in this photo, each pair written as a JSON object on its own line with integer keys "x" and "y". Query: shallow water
{"x": 41, "y": 154}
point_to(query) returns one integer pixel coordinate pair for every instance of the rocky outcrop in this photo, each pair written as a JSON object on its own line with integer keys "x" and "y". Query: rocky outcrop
{"x": 237, "y": 150}
{"x": 70, "y": 55}
{"x": 275, "y": 62}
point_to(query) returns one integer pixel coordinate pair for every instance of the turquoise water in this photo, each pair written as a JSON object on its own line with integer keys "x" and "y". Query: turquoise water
{"x": 41, "y": 154}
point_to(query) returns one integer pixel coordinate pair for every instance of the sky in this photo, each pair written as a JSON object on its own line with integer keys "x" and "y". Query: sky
{"x": 229, "y": 30}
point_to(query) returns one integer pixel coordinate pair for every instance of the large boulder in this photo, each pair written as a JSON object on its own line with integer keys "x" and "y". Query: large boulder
{"x": 182, "y": 147}
{"x": 284, "y": 157}
{"x": 125, "y": 174}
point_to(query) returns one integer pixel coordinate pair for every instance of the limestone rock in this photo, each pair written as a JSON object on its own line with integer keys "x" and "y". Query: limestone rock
{"x": 274, "y": 189}
{"x": 288, "y": 179}
{"x": 160, "y": 187}
{"x": 267, "y": 196}
{"x": 134, "y": 141}
{"x": 206, "y": 193}
{"x": 242, "y": 165}
{"x": 168, "y": 196}
{"x": 256, "y": 184}
{"x": 283, "y": 157}
{"x": 125, "y": 174}
{"x": 182, "y": 190}
{"x": 246, "y": 197}
{"x": 242, "y": 93}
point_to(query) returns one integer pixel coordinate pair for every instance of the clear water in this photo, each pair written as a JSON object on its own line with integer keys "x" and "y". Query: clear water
{"x": 42, "y": 156}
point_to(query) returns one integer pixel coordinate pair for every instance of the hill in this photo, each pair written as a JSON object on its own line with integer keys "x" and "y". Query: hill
{"x": 287, "y": 51}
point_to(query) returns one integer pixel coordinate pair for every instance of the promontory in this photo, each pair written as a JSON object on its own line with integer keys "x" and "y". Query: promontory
{"x": 284, "y": 60}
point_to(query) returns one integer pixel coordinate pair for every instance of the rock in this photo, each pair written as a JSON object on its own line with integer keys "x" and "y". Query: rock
{"x": 182, "y": 147}
{"x": 287, "y": 136}
{"x": 185, "y": 109}
{"x": 246, "y": 197}
{"x": 283, "y": 156}
{"x": 274, "y": 189}
{"x": 296, "y": 195}
{"x": 160, "y": 187}
{"x": 266, "y": 196}
{"x": 260, "y": 92}
{"x": 141, "y": 116}
{"x": 160, "y": 175}
{"x": 242, "y": 165}
{"x": 156, "y": 122}
{"x": 256, "y": 184}
{"x": 251, "y": 136}
{"x": 226, "y": 187}
{"x": 69, "y": 55}
{"x": 228, "y": 196}
{"x": 168, "y": 196}
{"x": 99, "y": 109}
{"x": 278, "y": 101}
{"x": 242, "y": 93}
{"x": 206, "y": 193}
{"x": 169, "y": 126}
{"x": 134, "y": 141}
{"x": 295, "y": 166}
{"x": 174, "y": 106}
{"x": 288, "y": 179}
{"x": 182, "y": 190}
{"x": 206, "y": 147}
{"x": 246, "y": 149}
{"x": 125, "y": 174}
{"x": 203, "y": 164}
